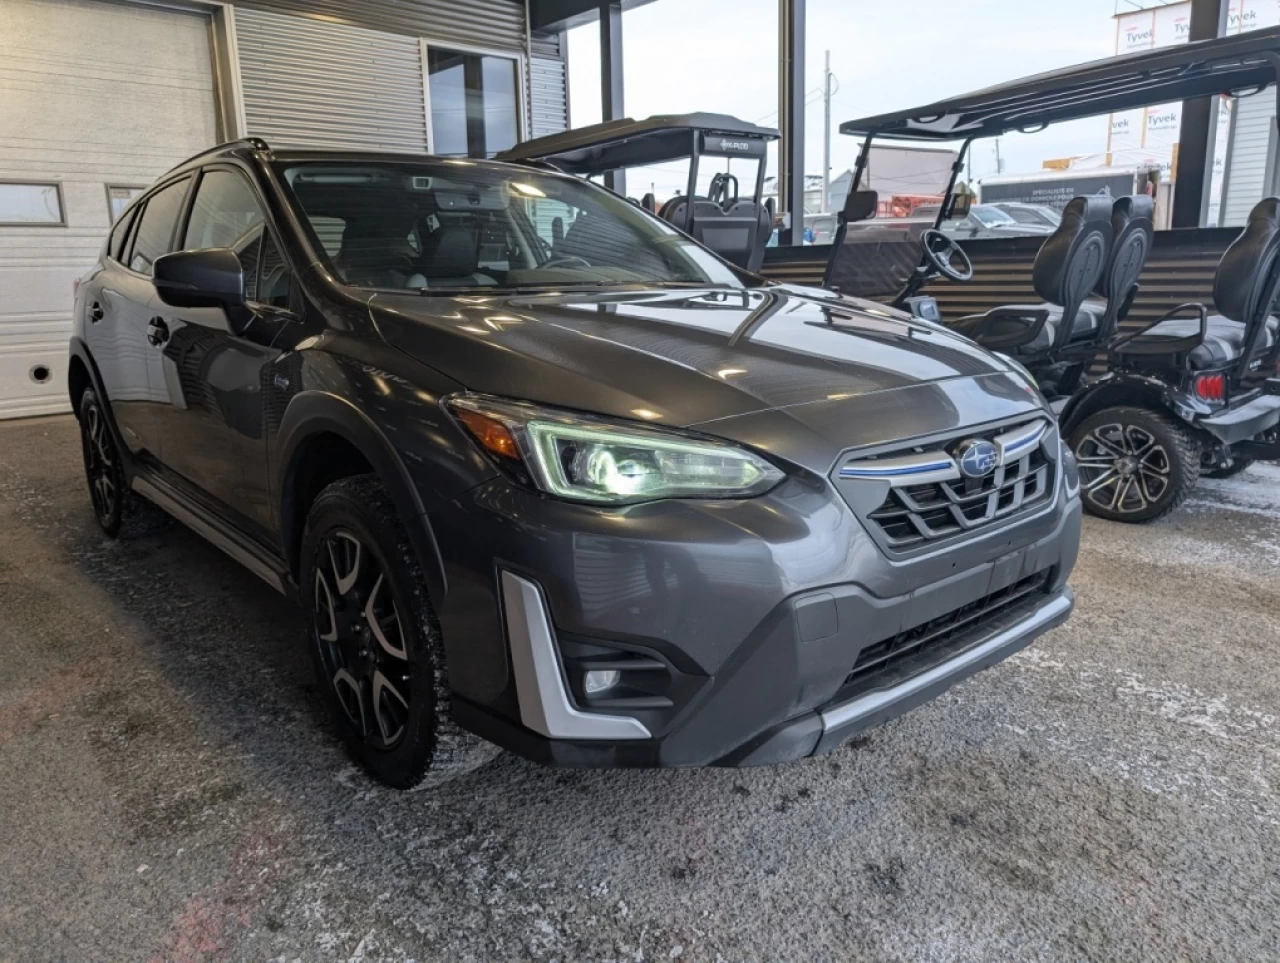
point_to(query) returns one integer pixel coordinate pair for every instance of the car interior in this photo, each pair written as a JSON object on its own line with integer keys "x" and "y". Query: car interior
{"x": 385, "y": 228}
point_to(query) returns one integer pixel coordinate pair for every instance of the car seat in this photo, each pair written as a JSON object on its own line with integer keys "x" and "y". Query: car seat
{"x": 1070, "y": 264}
{"x": 1244, "y": 291}
{"x": 451, "y": 259}
{"x": 375, "y": 251}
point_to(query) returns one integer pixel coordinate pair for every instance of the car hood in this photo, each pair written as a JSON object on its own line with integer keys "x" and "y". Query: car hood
{"x": 684, "y": 357}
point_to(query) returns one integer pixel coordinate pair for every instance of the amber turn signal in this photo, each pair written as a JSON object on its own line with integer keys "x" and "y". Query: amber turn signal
{"x": 491, "y": 433}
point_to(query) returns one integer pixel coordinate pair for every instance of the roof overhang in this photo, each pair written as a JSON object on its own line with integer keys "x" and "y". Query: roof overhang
{"x": 564, "y": 14}
{"x": 1241, "y": 64}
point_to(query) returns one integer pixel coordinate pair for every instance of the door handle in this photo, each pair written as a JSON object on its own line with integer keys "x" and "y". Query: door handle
{"x": 157, "y": 332}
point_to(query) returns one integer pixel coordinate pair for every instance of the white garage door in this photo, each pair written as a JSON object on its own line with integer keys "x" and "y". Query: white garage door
{"x": 95, "y": 98}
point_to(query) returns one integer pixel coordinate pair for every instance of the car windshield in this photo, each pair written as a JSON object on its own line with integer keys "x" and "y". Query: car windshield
{"x": 450, "y": 226}
{"x": 991, "y": 216}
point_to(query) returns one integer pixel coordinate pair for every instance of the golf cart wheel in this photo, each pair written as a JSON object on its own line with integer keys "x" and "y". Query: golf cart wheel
{"x": 103, "y": 467}
{"x": 375, "y": 640}
{"x": 1235, "y": 468}
{"x": 1136, "y": 464}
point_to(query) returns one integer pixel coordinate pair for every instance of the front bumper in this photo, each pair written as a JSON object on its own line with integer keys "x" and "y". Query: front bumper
{"x": 756, "y": 611}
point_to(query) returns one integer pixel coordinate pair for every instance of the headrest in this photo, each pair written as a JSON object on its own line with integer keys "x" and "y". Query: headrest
{"x": 1073, "y": 257}
{"x": 454, "y": 253}
{"x": 1241, "y": 280}
{"x": 1131, "y": 234}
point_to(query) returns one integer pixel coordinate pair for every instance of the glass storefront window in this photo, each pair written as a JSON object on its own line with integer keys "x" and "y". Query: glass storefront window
{"x": 474, "y": 103}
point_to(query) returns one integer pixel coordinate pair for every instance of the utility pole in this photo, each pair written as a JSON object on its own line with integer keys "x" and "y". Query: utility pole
{"x": 826, "y": 135}
{"x": 999, "y": 162}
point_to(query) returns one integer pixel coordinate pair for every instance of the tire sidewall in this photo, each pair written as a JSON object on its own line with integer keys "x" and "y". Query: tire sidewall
{"x": 362, "y": 507}
{"x": 1180, "y": 447}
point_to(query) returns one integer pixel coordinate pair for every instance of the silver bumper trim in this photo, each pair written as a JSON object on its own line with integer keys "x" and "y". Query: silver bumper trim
{"x": 540, "y": 690}
{"x": 847, "y": 713}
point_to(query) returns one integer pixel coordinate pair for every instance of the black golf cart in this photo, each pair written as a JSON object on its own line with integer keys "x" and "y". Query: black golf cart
{"x": 718, "y": 215}
{"x": 1190, "y": 391}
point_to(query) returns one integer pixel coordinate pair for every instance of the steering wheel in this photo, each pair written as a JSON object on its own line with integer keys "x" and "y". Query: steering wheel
{"x": 565, "y": 260}
{"x": 945, "y": 256}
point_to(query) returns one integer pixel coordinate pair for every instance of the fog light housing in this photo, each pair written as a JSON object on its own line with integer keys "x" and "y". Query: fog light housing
{"x": 600, "y": 680}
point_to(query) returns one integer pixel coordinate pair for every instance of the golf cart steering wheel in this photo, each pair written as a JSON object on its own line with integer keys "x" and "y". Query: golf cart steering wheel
{"x": 566, "y": 260}
{"x": 945, "y": 256}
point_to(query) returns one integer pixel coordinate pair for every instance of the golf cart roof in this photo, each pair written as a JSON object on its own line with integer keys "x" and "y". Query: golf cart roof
{"x": 1240, "y": 64}
{"x": 633, "y": 143}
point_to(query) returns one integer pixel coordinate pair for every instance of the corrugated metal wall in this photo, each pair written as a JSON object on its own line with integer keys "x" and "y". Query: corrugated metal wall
{"x": 477, "y": 23}
{"x": 310, "y": 83}
{"x": 548, "y": 86}
{"x": 1251, "y": 156}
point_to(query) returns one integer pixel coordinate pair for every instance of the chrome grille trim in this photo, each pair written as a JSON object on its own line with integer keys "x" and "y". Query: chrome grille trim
{"x": 913, "y": 499}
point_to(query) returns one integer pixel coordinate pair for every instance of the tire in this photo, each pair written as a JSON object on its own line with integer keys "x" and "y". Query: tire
{"x": 375, "y": 640}
{"x": 103, "y": 466}
{"x": 1136, "y": 464}
{"x": 1235, "y": 468}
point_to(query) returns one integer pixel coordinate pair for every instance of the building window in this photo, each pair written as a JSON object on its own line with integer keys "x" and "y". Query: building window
{"x": 474, "y": 102}
{"x": 27, "y": 203}
{"x": 118, "y": 198}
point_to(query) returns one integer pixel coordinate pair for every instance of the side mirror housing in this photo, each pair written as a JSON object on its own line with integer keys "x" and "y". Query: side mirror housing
{"x": 860, "y": 206}
{"x": 211, "y": 278}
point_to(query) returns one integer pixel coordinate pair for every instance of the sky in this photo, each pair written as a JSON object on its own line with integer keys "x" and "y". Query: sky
{"x": 722, "y": 56}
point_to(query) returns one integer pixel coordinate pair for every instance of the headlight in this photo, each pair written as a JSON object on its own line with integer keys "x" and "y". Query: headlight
{"x": 594, "y": 460}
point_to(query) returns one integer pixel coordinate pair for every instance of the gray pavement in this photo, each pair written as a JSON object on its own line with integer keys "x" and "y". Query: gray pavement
{"x": 169, "y": 791}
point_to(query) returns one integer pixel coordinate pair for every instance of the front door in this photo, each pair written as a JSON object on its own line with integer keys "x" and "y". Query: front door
{"x": 213, "y": 371}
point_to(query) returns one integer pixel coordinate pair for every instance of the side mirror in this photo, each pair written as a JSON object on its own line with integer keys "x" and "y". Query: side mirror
{"x": 960, "y": 204}
{"x": 211, "y": 278}
{"x": 860, "y": 206}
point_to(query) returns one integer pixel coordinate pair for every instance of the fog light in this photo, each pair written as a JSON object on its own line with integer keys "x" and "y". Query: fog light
{"x": 597, "y": 681}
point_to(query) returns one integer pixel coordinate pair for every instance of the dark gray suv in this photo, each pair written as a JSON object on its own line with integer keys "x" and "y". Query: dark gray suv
{"x": 541, "y": 469}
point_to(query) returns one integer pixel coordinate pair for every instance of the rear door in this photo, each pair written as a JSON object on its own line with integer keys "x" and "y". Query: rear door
{"x": 212, "y": 375}
{"x": 127, "y": 303}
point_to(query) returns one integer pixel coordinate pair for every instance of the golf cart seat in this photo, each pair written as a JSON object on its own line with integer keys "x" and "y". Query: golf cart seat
{"x": 1072, "y": 263}
{"x": 1240, "y": 286}
{"x": 737, "y": 229}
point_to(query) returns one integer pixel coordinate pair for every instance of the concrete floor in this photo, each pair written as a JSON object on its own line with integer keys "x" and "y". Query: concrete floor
{"x": 168, "y": 790}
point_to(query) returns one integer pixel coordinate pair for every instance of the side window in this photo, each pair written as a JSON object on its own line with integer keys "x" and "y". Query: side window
{"x": 115, "y": 245}
{"x": 272, "y": 283}
{"x": 154, "y": 235}
{"x": 226, "y": 214}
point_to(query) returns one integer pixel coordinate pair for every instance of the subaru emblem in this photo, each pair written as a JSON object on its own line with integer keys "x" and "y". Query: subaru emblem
{"x": 977, "y": 458}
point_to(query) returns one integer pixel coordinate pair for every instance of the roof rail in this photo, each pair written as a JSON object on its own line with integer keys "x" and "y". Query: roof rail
{"x": 257, "y": 143}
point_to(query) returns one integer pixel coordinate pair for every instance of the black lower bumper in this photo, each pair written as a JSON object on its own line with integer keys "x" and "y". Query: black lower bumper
{"x": 819, "y": 732}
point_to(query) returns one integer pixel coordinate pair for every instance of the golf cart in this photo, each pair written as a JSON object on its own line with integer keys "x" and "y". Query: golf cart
{"x": 1190, "y": 391}
{"x": 719, "y": 216}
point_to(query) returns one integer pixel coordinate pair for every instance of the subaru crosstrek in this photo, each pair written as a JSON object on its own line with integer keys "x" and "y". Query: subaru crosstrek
{"x": 540, "y": 469}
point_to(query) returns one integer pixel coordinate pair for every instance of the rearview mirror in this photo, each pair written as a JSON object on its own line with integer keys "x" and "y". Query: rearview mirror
{"x": 860, "y": 206}
{"x": 210, "y": 278}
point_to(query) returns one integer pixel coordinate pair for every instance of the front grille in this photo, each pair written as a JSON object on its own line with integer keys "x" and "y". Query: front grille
{"x": 929, "y": 499}
{"x": 913, "y": 650}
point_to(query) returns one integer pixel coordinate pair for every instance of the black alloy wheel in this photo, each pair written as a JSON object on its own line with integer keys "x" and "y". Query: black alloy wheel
{"x": 375, "y": 640}
{"x": 361, "y": 639}
{"x": 102, "y": 465}
{"x": 1136, "y": 464}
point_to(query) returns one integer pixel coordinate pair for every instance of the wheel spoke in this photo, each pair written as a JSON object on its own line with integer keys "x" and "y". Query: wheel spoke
{"x": 324, "y": 607}
{"x": 350, "y": 551}
{"x": 352, "y": 698}
{"x": 385, "y": 698}
{"x": 1109, "y": 477}
{"x": 378, "y": 625}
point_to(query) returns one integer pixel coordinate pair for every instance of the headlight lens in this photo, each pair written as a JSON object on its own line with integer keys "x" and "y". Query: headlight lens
{"x": 593, "y": 460}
